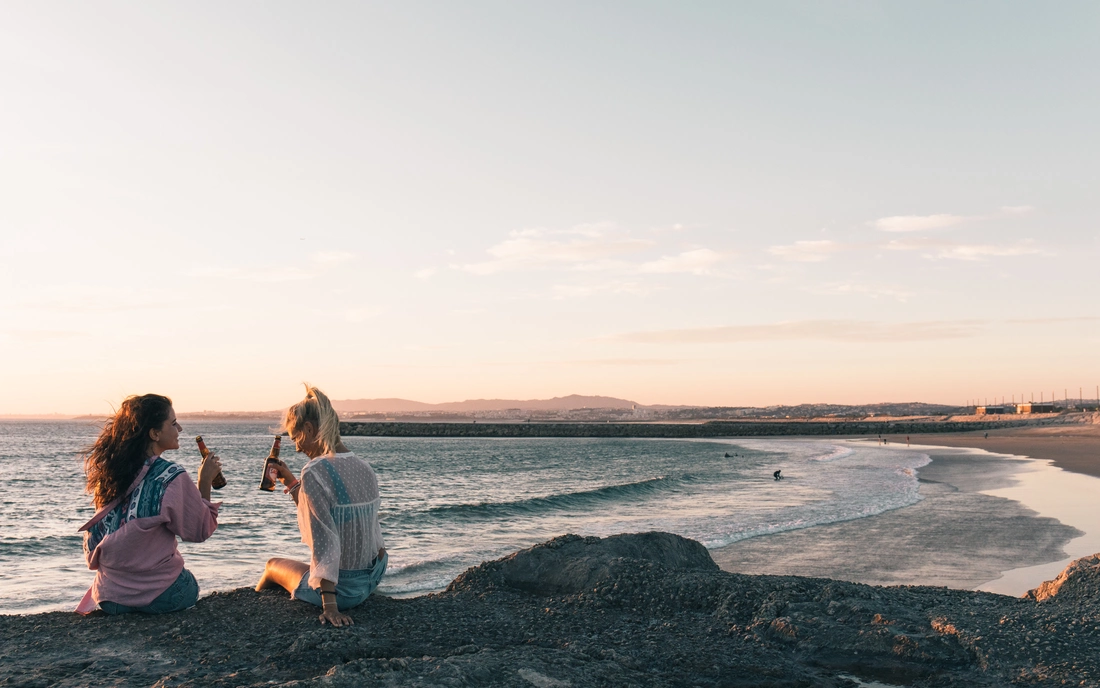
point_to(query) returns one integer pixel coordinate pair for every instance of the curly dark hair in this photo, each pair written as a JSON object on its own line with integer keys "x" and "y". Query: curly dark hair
{"x": 116, "y": 457}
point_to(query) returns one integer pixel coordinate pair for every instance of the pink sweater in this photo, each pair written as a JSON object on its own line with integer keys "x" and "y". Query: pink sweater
{"x": 140, "y": 560}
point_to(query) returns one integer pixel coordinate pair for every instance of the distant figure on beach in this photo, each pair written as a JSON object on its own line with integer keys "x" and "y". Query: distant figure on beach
{"x": 338, "y": 499}
{"x": 144, "y": 503}
{"x": 777, "y": 475}
{"x": 987, "y": 435}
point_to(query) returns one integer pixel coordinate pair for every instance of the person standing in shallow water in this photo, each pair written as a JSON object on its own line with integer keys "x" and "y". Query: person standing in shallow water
{"x": 337, "y": 499}
{"x": 144, "y": 503}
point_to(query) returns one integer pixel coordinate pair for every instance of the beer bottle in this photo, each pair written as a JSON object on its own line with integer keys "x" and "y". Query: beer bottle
{"x": 271, "y": 470}
{"x": 219, "y": 480}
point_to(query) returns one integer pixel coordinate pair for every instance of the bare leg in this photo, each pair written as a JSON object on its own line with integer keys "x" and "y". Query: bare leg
{"x": 285, "y": 573}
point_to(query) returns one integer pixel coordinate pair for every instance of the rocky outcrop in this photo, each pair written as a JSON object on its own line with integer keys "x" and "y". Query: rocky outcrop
{"x": 572, "y": 564}
{"x": 648, "y": 609}
{"x": 1079, "y": 582}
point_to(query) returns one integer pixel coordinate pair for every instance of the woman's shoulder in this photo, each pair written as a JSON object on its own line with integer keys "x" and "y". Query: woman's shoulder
{"x": 164, "y": 471}
{"x": 333, "y": 460}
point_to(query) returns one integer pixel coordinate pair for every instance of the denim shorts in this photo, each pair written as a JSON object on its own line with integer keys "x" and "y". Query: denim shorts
{"x": 180, "y": 595}
{"x": 354, "y": 586}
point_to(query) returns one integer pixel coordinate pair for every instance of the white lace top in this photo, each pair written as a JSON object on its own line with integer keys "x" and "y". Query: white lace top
{"x": 338, "y": 515}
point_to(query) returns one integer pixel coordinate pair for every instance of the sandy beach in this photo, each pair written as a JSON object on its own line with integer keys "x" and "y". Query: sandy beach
{"x": 1073, "y": 447}
{"x": 986, "y": 521}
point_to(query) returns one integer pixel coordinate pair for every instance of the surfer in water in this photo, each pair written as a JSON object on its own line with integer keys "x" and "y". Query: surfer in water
{"x": 778, "y": 474}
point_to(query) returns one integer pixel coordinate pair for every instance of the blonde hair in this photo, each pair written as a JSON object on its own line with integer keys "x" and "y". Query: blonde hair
{"x": 316, "y": 409}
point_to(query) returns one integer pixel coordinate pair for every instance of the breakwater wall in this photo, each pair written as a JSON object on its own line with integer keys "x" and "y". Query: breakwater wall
{"x": 670, "y": 430}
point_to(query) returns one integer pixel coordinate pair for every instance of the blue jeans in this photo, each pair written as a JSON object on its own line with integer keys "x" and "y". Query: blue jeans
{"x": 352, "y": 589}
{"x": 180, "y": 595}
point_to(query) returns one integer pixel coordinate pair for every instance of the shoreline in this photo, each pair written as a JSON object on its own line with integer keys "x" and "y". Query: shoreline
{"x": 1030, "y": 489}
{"x": 970, "y": 528}
{"x": 1071, "y": 447}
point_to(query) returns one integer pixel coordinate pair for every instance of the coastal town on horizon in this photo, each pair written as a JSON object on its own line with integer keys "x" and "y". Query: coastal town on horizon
{"x": 581, "y": 408}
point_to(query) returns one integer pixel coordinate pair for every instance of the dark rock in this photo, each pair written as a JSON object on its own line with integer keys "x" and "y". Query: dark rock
{"x": 648, "y": 610}
{"x": 574, "y": 564}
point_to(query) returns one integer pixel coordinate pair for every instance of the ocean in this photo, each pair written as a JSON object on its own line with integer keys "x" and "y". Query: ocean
{"x": 448, "y": 504}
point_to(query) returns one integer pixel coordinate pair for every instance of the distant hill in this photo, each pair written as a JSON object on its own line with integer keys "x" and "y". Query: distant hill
{"x": 569, "y": 403}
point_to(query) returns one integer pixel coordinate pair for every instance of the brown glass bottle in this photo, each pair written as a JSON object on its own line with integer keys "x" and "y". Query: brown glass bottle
{"x": 271, "y": 473}
{"x": 219, "y": 480}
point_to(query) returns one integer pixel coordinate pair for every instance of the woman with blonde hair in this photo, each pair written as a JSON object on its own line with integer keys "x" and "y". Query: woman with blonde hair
{"x": 337, "y": 498}
{"x": 144, "y": 503}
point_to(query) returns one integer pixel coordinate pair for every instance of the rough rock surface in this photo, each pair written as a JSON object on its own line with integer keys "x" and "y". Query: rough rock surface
{"x": 647, "y": 609}
{"x": 1079, "y": 581}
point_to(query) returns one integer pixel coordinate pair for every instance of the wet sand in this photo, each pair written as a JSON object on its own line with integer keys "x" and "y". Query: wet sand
{"x": 955, "y": 537}
{"x": 1071, "y": 447}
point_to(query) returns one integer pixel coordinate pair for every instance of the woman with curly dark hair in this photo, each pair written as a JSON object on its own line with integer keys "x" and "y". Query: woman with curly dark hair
{"x": 144, "y": 502}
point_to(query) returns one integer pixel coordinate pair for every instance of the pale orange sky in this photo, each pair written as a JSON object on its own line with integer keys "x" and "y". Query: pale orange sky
{"x": 716, "y": 204}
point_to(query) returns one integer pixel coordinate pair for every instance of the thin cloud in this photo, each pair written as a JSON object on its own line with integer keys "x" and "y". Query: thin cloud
{"x": 84, "y": 298}
{"x": 700, "y": 261}
{"x": 950, "y": 250}
{"x": 848, "y": 331}
{"x": 871, "y": 291}
{"x": 983, "y": 251}
{"x": 644, "y": 362}
{"x": 424, "y": 273}
{"x": 358, "y": 315}
{"x": 576, "y": 248}
{"x": 592, "y": 248}
{"x": 1052, "y": 321}
{"x": 678, "y": 227}
{"x": 581, "y": 291}
{"x": 806, "y": 251}
{"x": 917, "y": 223}
{"x": 261, "y": 274}
{"x": 39, "y": 336}
{"x": 332, "y": 257}
{"x": 925, "y": 223}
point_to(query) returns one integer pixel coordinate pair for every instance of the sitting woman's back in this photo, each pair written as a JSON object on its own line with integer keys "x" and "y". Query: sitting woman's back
{"x": 338, "y": 515}
{"x": 337, "y": 500}
{"x": 144, "y": 502}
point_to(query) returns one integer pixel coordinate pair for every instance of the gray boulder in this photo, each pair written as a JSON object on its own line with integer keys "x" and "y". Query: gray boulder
{"x": 572, "y": 564}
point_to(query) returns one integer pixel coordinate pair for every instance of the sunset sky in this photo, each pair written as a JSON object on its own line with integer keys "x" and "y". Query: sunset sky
{"x": 715, "y": 203}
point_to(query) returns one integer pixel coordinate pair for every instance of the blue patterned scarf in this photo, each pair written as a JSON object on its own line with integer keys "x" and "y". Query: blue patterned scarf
{"x": 142, "y": 502}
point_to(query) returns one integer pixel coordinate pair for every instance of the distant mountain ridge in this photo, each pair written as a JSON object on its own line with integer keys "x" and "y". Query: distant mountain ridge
{"x": 569, "y": 403}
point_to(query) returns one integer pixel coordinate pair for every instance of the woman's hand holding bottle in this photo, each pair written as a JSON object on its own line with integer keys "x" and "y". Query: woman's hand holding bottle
{"x": 286, "y": 476}
{"x": 210, "y": 467}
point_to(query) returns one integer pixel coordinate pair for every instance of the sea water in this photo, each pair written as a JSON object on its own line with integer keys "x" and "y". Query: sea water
{"x": 447, "y": 503}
